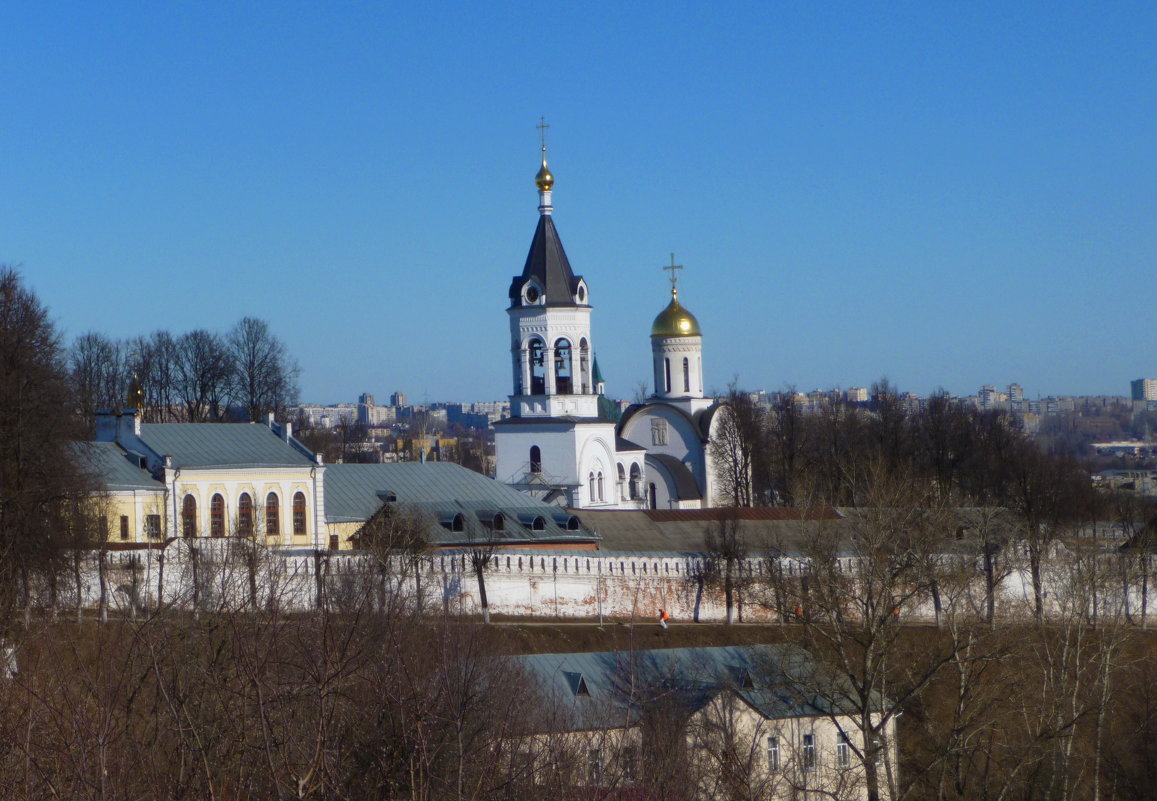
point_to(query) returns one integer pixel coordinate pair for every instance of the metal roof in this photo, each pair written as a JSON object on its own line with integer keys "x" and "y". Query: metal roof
{"x": 116, "y": 469}
{"x": 547, "y": 264}
{"x": 442, "y": 490}
{"x": 565, "y": 419}
{"x": 222, "y": 445}
{"x": 777, "y": 681}
{"x": 742, "y": 513}
{"x": 683, "y": 531}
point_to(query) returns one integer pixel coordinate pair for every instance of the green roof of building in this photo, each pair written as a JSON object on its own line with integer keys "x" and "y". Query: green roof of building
{"x": 612, "y": 689}
{"x": 354, "y": 493}
{"x": 223, "y": 445}
{"x": 115, "y": 469}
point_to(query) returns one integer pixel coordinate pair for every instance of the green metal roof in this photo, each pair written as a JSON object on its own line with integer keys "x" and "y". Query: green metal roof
{"x": 115, "y": 469}
{"x": 222, "y": 445}
{"x": 442, "y": 490}
{"x": 777, "y": 681}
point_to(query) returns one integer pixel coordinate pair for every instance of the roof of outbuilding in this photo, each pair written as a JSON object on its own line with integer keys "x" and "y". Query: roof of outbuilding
{"x": 116, "y": 469}
{"x": 547, "y": 264}
{"x": 222, "y": 445}
{"x": 778, "y": 681}
{"x": 441, "y": 490}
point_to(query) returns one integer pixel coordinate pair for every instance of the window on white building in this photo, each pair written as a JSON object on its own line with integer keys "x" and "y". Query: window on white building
{"x": 843, "y": 751}
{"x": 594, "y": 767}
{"x": 773, "y": 753}
{"x": 629, "y": 757}
{"x": 808, "y": 757}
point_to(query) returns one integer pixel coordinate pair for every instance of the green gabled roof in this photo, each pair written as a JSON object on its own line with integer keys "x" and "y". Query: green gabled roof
{"x": 354, "y": 493}
{"x": 222, "y": 445}
{"x": 596, "y": 373}
{"x": 785, "y": 682}
{"x": 114, "y": 468}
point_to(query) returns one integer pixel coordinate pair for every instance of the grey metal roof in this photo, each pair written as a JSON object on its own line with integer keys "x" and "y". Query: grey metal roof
{"x": 624, "y": 445}
{"x": 442, "y": 490}
{"x": 778, "y": 681}
{"x": 547, "y": 264}
{"x": 652, "y": 532}
{"x": 562, "y": 420}
{"x": 116, "y": 469}
{"x": 221, "y": 445}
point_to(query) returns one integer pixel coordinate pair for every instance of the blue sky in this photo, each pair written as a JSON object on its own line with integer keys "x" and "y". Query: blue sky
{"x": 946, "y": 194}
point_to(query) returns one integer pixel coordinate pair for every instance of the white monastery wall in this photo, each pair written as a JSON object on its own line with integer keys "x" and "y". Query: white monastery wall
{"x": 225, "y": 574}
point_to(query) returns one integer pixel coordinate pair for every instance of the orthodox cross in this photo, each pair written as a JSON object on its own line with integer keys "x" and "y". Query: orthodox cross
{"x": 674, "y": 279}
{"x": 542, "y": 126}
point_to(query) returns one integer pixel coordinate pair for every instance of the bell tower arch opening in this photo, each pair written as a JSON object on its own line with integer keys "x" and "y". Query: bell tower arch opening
{"x": 537, "y": 350}
{"x": 563, "y": 375}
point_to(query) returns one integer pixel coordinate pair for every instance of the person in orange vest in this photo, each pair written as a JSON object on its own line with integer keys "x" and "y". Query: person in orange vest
{"x": 663, "y": 618}
{"x": 799, "y": 611}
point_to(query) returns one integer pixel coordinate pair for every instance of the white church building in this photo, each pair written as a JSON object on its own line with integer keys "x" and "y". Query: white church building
{"x": 561, "y": 444}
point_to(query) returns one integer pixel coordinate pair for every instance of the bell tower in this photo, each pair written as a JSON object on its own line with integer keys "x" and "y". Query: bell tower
{"x": 555, "y": 446}
{"x": 550, "y": 324}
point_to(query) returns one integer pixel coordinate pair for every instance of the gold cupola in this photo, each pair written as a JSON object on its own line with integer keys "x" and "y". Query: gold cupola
{"x": 544, "y": 180}
{"x": 675, "y": 321}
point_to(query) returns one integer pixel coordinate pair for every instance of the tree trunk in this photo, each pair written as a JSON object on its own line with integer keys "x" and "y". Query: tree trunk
{"x": 990, "y": 587}
{"x": 195, "y": 564}
{"x": 160, "y": 580}
{"x": 480, "y": 571}
{"x": 102, "y": 603}
{"x": 1144, "y": 591}
{"x": 251, "y": 567}
{"x": 937, "y": 604}
{"x": 729, "y": 592}
{"x": 1034, "y": 566}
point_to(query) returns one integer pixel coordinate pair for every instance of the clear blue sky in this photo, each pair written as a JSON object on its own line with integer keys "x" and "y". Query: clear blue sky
{"x": 949, "y": 194}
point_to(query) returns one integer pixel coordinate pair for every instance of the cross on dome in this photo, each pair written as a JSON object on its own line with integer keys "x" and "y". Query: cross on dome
{"x": 674, "y": 279}
{"x": 542, "y": 126}
{"x": 544, "y": 180}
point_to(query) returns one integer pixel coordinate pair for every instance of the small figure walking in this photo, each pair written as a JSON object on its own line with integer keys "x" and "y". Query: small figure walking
{"x": 663, "y": 618}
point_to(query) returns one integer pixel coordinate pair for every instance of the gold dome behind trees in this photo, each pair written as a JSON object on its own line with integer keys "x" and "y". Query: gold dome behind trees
{"x": 136, "y": 395}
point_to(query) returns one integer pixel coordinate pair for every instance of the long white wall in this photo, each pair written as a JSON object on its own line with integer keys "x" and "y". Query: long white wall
{"x": 589, "y": 585}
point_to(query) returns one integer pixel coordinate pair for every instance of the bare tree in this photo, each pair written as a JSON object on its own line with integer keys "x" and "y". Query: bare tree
{"x": 264, "y": 376}
{"x": 100, "y": 373}
{"x": 724, "y": 554}
{"x": 155, "y": 359}
{"x": 861, "y": 579}
{"x": 203, "y": 375}
{"x": 736, "y": 447}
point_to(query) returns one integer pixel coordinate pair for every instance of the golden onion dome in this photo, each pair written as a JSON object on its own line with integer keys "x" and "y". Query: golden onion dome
{"x": 675, "y": 321}
{"x": 544, "y": 180}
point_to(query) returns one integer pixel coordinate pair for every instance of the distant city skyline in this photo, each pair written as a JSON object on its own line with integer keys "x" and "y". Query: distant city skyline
{"x": 943, "y": 196}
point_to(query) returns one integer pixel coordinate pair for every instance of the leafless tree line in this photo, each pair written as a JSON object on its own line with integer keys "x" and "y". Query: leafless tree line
{"x": 199, "y": 376}
{"x": 1043, "y": 699}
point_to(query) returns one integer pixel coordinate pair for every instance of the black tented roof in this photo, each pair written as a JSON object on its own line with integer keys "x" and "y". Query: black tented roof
{"x": 548, "y": 265}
